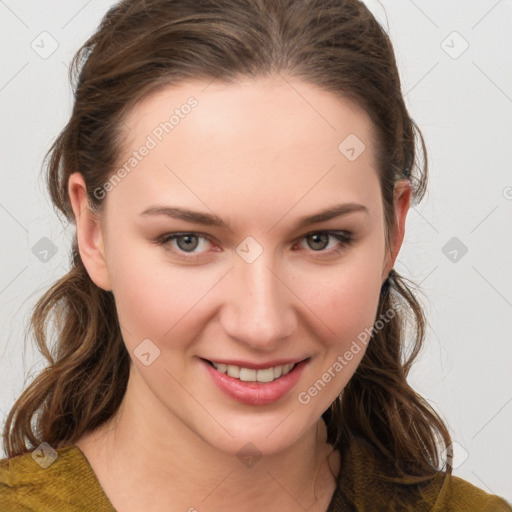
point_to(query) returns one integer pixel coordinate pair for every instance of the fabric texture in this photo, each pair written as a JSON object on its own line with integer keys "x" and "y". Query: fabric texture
{"x": 69, "y": 484}
{"x": 364, "y": 486}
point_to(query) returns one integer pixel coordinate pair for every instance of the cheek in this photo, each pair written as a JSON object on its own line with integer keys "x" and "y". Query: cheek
{"x": 156, "y": 299}
{"x": 344, "y": 299}
{"x": 152, "y": 299}
{"x": 346, "y": 306}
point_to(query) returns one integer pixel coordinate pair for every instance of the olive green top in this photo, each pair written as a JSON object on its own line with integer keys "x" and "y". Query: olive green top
{"x": 69, "y": 484}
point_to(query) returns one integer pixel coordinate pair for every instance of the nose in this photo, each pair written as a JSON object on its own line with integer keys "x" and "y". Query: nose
{"x": 258, "y": 311}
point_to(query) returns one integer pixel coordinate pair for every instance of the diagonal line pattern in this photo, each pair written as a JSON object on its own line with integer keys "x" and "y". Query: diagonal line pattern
{"x": 14, "y": 76}
{"x": 209, "y": 83}
{"x": 424, "y": 14}
{"x": 485, "y": 485}
{"x": 503, "y": 407}
{"x": 3, "y": 3}
{"x": 492, "y": 81}
{"x": 285, "y": 490}
{"x": 306, "y": 101}
{"x": 425, "y": 278}
{"x": 12, "y": 280}
{"x": 301, "y": 300}
{"x": 194, "y": 305}
{"x": 217, "y": 486}
{"x": 504, "y": 298}
{"x": 198, "y": 402}
{"x": 123, "y": 327}
{"x": 484, "y": 218}
{"x": 279, "y": 423}
{"x": 168, "y": 168}
{"x": 301, "y": 198}
{"x": 485, "y": 14}
{"x": 14, "y": 218}
{"x": 76, "y": 14}
{"x": 421, "y": 79}
{"x": 425, "y": 219}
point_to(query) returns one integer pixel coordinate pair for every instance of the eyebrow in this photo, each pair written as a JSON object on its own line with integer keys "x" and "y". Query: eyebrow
{"x": 208, "y": 219}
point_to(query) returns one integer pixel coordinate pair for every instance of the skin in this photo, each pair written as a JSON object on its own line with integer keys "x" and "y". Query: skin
{"x": 271, "y": 147}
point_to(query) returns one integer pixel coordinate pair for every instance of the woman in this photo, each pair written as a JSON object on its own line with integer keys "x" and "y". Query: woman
{"x": 230, "y": 335}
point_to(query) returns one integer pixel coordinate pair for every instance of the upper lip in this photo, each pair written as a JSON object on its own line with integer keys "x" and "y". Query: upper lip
{"x": 256, "y": 366}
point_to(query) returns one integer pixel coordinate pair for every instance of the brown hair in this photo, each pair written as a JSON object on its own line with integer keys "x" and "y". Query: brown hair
{"x": 141, "y": 46}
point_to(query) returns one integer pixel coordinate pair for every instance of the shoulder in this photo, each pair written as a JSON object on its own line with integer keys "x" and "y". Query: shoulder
{"x": 366, "y": 484}
{"x": 51, "y": 480}
{"x": 449, "y": 492}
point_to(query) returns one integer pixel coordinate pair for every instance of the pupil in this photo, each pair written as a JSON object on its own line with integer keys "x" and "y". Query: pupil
{"x": 187, "y": 245}
{"x": 316, "y": 240}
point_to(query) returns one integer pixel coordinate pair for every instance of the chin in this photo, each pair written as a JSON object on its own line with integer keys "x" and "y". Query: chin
{"x": 245, "y": 436}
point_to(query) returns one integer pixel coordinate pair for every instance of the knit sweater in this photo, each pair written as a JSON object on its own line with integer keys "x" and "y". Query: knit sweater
{"x": 69, "y": 484}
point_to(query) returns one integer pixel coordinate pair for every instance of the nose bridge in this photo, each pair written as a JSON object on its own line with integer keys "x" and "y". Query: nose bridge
{"x": 259, "y": 311}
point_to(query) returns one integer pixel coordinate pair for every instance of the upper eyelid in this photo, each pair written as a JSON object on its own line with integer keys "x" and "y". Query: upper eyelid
{"x": 209, "y": 238}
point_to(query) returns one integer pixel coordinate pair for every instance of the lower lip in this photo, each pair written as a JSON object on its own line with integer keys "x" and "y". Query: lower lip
{"x": 256, "y": 393}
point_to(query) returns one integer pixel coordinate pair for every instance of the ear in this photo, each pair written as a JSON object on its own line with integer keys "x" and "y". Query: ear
{"x": 402, "y": 200}
{"x": 88, "y": 232}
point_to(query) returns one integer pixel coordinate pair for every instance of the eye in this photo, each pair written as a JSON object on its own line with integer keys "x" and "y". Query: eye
{"x": 319, "y": 240}
{"x": 185, "y": 243}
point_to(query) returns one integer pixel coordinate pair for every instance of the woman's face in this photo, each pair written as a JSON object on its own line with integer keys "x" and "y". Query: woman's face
{"x": 237, "y": 171}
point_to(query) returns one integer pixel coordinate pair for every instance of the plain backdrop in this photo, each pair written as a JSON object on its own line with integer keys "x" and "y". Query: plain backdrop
{"x": 455, "y": 61}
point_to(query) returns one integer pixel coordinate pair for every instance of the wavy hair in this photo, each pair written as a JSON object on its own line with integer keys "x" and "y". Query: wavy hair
{"x": 143, "y": 45}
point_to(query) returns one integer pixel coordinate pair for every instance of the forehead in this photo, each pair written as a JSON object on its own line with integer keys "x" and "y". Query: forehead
{"x": 277, "y": 139}
{"x": 272, "y": 105}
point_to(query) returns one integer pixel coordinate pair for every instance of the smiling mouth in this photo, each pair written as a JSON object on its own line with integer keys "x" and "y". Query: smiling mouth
{"x": 252, "y": 375}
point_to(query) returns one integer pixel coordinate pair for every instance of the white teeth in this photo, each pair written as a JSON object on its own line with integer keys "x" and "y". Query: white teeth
{"x": 222, "y": 367}
{"x": 232, "y": 371}
{"x": 248, "y": 375}
{"x": 265, "y": 375}
{"x": 278, "y": 371}
{"x": 251, "y": 375}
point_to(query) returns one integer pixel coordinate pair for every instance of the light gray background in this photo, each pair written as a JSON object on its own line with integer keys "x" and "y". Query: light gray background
{"x": 462, "y": 101}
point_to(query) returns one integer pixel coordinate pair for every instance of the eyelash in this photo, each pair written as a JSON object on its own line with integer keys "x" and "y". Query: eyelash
{"x": 345, "y": 237}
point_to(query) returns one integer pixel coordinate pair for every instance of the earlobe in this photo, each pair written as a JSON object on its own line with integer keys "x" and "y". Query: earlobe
{"x": 88, "y": 232}
{"x": 402, "y": 202}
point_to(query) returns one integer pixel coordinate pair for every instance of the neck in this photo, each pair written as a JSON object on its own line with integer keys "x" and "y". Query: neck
{"x": 143, "y": 463}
